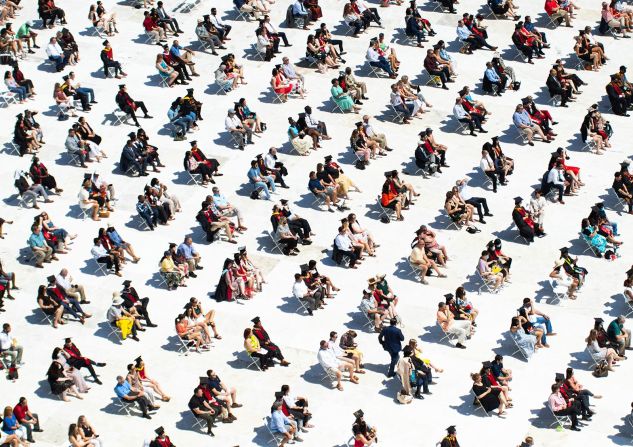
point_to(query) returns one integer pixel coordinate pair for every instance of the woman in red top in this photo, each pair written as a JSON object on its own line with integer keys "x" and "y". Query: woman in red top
{"x": 244, "y": 276}
{"x": 391, "y": 198}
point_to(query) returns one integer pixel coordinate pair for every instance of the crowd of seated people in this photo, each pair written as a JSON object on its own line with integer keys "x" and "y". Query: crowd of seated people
{"x": 472, "y": 34}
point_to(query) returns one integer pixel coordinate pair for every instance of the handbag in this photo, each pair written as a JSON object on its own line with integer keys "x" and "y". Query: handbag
{"x": 601, "y": 369}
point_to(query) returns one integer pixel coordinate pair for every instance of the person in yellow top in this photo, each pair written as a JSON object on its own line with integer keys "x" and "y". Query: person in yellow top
{"x": 253, "y": 348}
{"x": 417, "y": 353}
{"x": 172, "y": 274}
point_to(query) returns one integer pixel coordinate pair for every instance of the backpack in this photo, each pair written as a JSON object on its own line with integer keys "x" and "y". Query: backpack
{"x": 13, "y": 373}
{"x": 360, "y": 164}
{"x": 255, "y": 193}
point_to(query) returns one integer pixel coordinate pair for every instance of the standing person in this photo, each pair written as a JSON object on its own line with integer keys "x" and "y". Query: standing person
{"x": 391, "y": 339}
{"x": 450, "y": 440}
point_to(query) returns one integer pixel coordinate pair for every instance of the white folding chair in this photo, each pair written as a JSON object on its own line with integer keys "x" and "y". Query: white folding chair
{"x": 198, "y": 424}
{"x": 302, "y": 304}
{"x": 477, "y": 404}
{"x": 457, "y": 224}
{"x": 487, "y": 284}
{"x": 188, "y": 5}
{"x": 119, "y": 117}
{"x": 319, "y": 200}
{"x": 519, "y": 349}
{"x": 595, "y": 357}
{"x": 114, "y": 330}
{"x": 414, "y": 268}
{"x": 194, "y": 177}
{"x": 101, "y": 268}
{"x": 555, "y": 100}
{"x": 559, "y": 290}
{"x": 376, "y": 72}
{"x": 519, "y": 54}
{"x": 245, "y": 357}
{"x": 391, "y": 214}
{"x": 589, "y": 246}
{"x": 432, "y": 79}
{"x": 336, "y": 107}
{"x": 397, "y": 115}
{"x": 369, "y": 322}
{"x": 277, "y": 98}
{"x": 328, "y": 374}
{"x": 460, "y": 126}
{"x": 140, "y": 223}
{"x": 148, "y": 38}
{"x": 447, "y": 335}
{"x": 274, "y": 437}
{"x": 521, "y": 134}
{"x": 7, "y": 98}
{"x": 241, "y": 15}
{"x": 97, "y": 30}
{"x": 629, "y": 305}
{"x": 275, "y": 242}
{"x": 553, "y": 22}
{"x": 123, "y": 406}
{"x": 559, "y": 421}
{"x": 185, "y": 346}
{"x": 12, "y": 148}
{"x": 163, "y": 81}
{"x": 256, "y": 53}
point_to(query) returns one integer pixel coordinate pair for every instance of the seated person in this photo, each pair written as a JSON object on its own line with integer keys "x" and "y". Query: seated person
{"x": 330, "y": 363}
{"x": 561, "y": 277}
{"x": 457, "y": 211}
{"x": 490, "y": 271}
{"x": 420, "y": 260}
{"x": 127, "y": 393}
{"x": 125, "y": 320}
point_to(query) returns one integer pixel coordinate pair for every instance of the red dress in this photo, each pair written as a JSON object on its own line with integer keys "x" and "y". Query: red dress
{"x": 279, "y": 87}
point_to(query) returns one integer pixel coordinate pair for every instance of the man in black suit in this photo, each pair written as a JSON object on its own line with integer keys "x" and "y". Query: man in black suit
{"x": 556, "y": 88}
{"x": 132, "y": 300}
{"x": 617, "y": 97}
{"x": 391, "y": 339}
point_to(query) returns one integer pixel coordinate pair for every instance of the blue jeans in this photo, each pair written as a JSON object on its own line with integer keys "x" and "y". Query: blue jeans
{"x": 264, "y": 186}
{"x": 60, "y": 62}
{"x": 21, "y": 92}
{"x": 548, "y": 323}
{"x": 88, "y": 92}
{"x": 384, "y": 64}
{"x": 395, "y": 356}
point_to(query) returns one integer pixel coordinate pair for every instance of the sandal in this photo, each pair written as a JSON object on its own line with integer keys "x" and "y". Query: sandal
{"x": 339, "y": 387}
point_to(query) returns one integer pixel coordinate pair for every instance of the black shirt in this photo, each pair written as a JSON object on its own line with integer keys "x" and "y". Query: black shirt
{"x": 197, "y": 402}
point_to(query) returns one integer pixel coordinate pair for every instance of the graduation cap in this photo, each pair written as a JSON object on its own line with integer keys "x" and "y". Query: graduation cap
{"x": 204, "y": 380}
{"x": 304, "y": 268}
{"x": 518, "y": 199}
{"x": 51, "y": 278}
{"x": 559, "y": 377}
{"x": 121, "y": 85}
{"x": 283, "y": 201}
{"x": 625, "y": 163}
{"x": 190, "y": 91}
{"x": 105, "y": 43}
{"x": 241, "y": 249}
{"x": 138, "y": 360}
{"x": 388, "y": 173}
{"x": 358, "y": 124}
{"x": 598, "y": 320}
{"x": 255, "y": 320}
{"x": 486, "y": 364}
{"x": 563, "y": 250}
{"x": 328, "y": 158}
{"x": 127, "y": 283}
{"x": 171, "y": 244}
{"x": 65, "y": 77}
{"x": 448, "y": 296}
{"x": 193, "y": 142}
{"x": 451, "y": 430}
{"x": 67, "y": 340}
{"x": 279, "y": 395}
{"x": 358, "y": 414}
{"x": 160, "y": 431}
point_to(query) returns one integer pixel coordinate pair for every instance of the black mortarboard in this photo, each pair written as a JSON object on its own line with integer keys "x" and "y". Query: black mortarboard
{"x": 563, "y": 250}
{"x": 328, "y": 158}
{"x": 121, "y": 85}
{"x": 388, "y": 173}
{"x": 204, "y": 380}
{"x": 304, "y": 268}
{"x": 359, "y": 414}
{"x": 132, "y": 134}
{"x": 190, "y": 91}
{"x": 127, "y": 283}
{"x": 448, "y": 296}
{"x": 283, "y": 201}
{"x": 160, "y": 431}
{"x": 486, "y": 364}
{"x": 193, "y": 142}
{"x": 255, "y": 320}
{"x": 67, "y": 340}
{"x": 518, "y": 199}
{"x": 241, "y": 249}
{"x": 51, "y": 278}
{"x": 559, "y": 377}
{"x": 451, "y": 430}
{"x": 599, "y": 320}
{"x": 138, "y": 360}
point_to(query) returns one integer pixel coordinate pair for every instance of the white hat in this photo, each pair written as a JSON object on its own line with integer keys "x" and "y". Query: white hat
{"x": 116, "y": 299}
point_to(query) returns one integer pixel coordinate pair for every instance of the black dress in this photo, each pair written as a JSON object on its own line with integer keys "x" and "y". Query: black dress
{"x": 490, "y": 401}
{"x": 223, "y": 291}
{"x": 55, "y": 372}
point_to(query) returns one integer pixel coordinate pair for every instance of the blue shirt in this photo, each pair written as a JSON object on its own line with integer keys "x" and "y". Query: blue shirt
{"x": 186, "y": 250}
{"x": 115, "y": 238}
{"x": 37, "y": 240}
{"x": 9, "y": 421}
{"x": 278, "y": 422}
{"x": 220, "y": 200}
{"x": 122, "y": 389}
{"x": 492, "y": 75}
{"x": 521, "y": 118}
{"x": 143, "y": 208}
{"x": 298, "y": 9}
{"x": 315, "y": 184}
{"x": 254, "y": 173}
{"x": 175, "y": 50}
{"x": 529, "y": 26}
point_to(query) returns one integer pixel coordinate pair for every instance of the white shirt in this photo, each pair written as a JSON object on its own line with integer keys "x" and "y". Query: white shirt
{"x": 464, "y": 191}
{"x": 217, "y": 22}
{"x": 83, "y": 196}
{"x": 555, "y": 177}
{"x": 369, "y": 130}
{"x": 396, "y": 99}
{"x": 98, "y": 251}
{"x": 327, "y": 359}
{"x": 53, "y": 49}
{"x": 335, "y": 349}
{"x": 372, "y": 54}
{"x": 269, "y": 161}
{"x": 6, "y": 341}
{"x": 299, "y": 289}
{"x": 232, "y": 123}
{"x": 487, "y": 164}
{"x": 459, "y": 112}
{"x": 64, "y": 282}
{"x": 343, "y": 243}
{"x": 463, "y": 32}
{"x": 362, "y": 6}
{"x": 311, "y": 122}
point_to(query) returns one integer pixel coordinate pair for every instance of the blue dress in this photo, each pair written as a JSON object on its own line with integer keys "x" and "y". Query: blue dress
{"x": 344, "y": 102}
{"x": 524, "y": 341}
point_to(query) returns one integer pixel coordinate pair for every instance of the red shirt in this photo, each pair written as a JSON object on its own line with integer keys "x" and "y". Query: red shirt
{"x": 551, "y": 6}
{"x": 148, "y": 24}
{"x": 20, "y": 412}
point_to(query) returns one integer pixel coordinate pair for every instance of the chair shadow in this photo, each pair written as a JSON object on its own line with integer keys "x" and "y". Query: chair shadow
{"x": 90, "y": 268}
{"x": 154, "y": 80}
{"x": 580, "y": 360}
{"x": 432, "y": 334}
{"x": 290, "y": 305}
{"x": 624, "y": 432}
{"x": 187, "y": 422}
{"x": 467, "y": 408}
{"x": 403, "y": 270}
{"x": 103, "y": 331}
{"x": 356, "y": 322}
{"x": 114, "y": 409}
{"x": 43, "y": 390}
{"x": 541, "y": 417}
{"x": 545, "y": 294}
{"x": 391, "y": 387}
{"x": 172, "y": 344}
{"x": 510, "y": 235}
{"x": 225, "y": 139}
{"x": 506, "y": 347}
{"x": 442, "y": 222}
{"x": 314, "y": 375}
{"x": 155, "y": 281}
